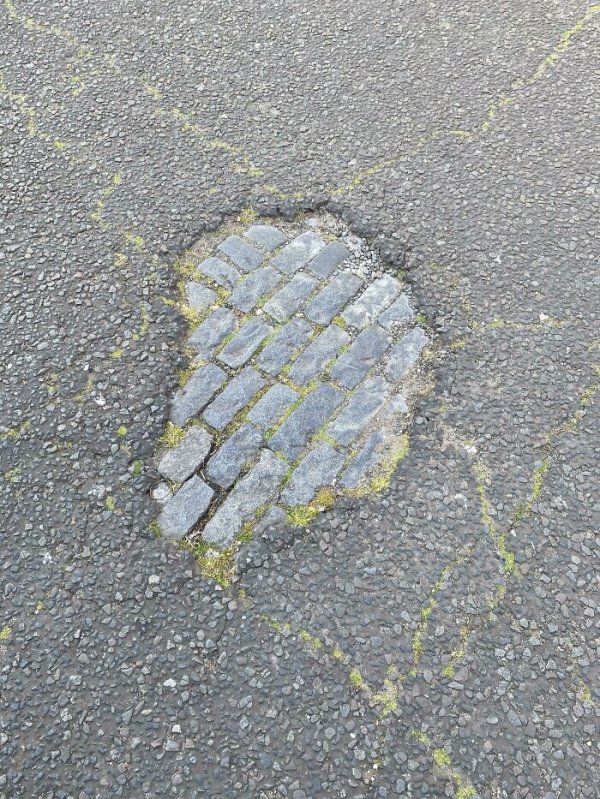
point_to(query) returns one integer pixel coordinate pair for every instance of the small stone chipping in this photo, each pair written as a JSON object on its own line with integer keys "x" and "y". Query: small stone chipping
{"x": 313, "y": 358}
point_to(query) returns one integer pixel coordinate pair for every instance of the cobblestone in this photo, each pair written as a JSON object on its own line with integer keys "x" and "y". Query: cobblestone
{"x": 237, "y": 394}
{"x": 284, "y": 344}
{"x": 210, "y": 333}
{"x": 253, "y": 491}
{"x": 267, "y": 236}
{"x": 272, "y": 405}
{"x": 360, "y": 409}
{"x": 185, "y": 508}
{"x": 243, "y": 346}
{"x": 365, "y": 461}
{"x": 252, "y": 288}
{"x": 298, "y": 252}
{"x": 314, "y": 358}
{"x": 374, "y": 299}
{"x": 223, "y": 274}
{"x": 244, "y": 255}
{"x": 179, "y": 463}
{"x": 234, "y": 455}
{"x": 197, "y": 393}
{"x": 330, "y": 257}
{"x": 333, "y": 297}
{"x": 317, "y": 470}
{"x": 405, "y": 354}
{"x": 198, "y": 296}
{"x": 309, "y": 416}
{"x": 399, "y": 313}
{"x": 364, "y": 353}
{"x": 290, "y": 298}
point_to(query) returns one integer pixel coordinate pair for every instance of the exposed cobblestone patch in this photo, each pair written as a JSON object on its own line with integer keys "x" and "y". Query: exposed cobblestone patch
{"x": 307, "y": 359}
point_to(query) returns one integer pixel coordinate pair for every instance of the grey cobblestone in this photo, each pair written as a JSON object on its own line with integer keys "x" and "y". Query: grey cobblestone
{"x": 405, "y": 354}
{"x": 400, "y": 312}
{"x": 257, "y": 488}
{"x": 298, "y": 253}
{"x": 243, "y": 255}
{"x": 333, "y": 297}
{"x": 222, "y": 273}
{"x": 185, "y": 508}
{"x": 198, "y": 296}
{"x": 197, "y": 393}
{"x": 252, "y": 288}
{"x": 361, "y": 408}
{"x": 267, "y": 236}
{"x": 364, "y": 462}
{"x": 318, "y": 470}
{"x": 210, "y": 333}
{"x": 179, "y": 463}
{"x": 243, "y": 346}
{"x": 235, "y": 396}
{"x": 317, "y": 354}
{"x": 309, "y": 416}
{"x": 234, "y": 455}
{"x": 288, "y": 300}
{"x": 351, "y": 367}
{"x": 374, "y": 299}
{"x": 330, "y": 257}
{"x": 281, "y": 348}
{"x": 272, "y": 405}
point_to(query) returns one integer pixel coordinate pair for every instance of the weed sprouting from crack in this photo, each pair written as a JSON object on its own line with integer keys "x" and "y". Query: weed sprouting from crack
{"x": 442, "y": 762}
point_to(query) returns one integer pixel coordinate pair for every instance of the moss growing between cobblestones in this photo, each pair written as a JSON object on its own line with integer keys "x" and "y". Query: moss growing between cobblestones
{"x": 214, "y": 565}
{"x": 382, "y": 480}
{"x": 172, "y": 436}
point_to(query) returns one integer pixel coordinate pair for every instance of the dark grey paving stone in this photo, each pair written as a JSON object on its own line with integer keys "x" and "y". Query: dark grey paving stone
{"x": 211, "y": 332}
{"x": 298, "y": 253}
{"x": 272, "y": 405}
{"x": 179, "y": 463}
{"x": 330, "y": 257}
{"x": 243, "y": 346}
{"x": 360, "y": 409}
{"x": 197, "y": 393}
{"x": 185, "y": 509}
{"x": 252, "y": 288}
{"x": 351, "y": 367}
{"x": 243, "y": 255}
{"x": 284, "y": 345}
{"x": 399, "y": 313}
{"x": 234, "y": 455}
{"x": 198, "y": 296}
{"x": 309, "y": 416}
{"x": 374, "y": 299}
{"x": 267, "y": 236}
{"x": 317, "y": 470}
{"x": 258, "y": 488}
{"x": 333, "y": 297}
{"x": 289, "y": 299}
{"x": 365, "y": 462}
{"x": 406, "y": 353}
{"x": 222, "y": 273}
{"x": 317, "y": 355}
{"x": 235, "y": 396}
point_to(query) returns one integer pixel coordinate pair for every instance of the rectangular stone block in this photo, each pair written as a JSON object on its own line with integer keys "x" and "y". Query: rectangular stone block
{"x": 259, "y": 487}
{"x": 272, "y": 405}
{"x": 282, "y": 347}
{"x": 330, "y": 257}
{"x": 235, "y": 396}
{"x": 222, "y": 273}
{"x": 309, "y": 416}
{"x": 298, "y": 253}
{"x": 244, "y": 255}
{"x": 315, "y": 357}
{"x": 368, "y": 347}
{"x": 234, "y": 455}
{"x": 372, "y": 302}
{"x": 333, "y": 297}
{"x": 406, "y": 353}
{"x": 249, "y": 338}
{"x": 197, "y": 393}
{"x": 210, "y": 333}
{"x": 267, "y": 236}
{"x": 361, "y": 408}
{"x": 198, "y": 296}
{"x": 252, "y": 288}
{"x": 318, "y": 470}
{"x": 288, "y": 300}
{"x": 399, "y": 313}
{"x": 364, "y": 465}
{"x": 179, "y": 463}
{"x": 185, "y": 508}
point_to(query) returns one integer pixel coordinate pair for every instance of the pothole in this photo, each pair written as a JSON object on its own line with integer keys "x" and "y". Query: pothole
{"x": 306, "y": 355}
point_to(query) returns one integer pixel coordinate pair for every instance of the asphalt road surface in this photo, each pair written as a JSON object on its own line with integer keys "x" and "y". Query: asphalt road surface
{"x": 438, "y": 639}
